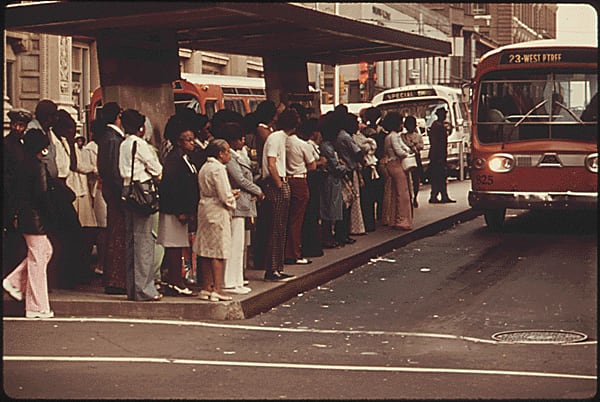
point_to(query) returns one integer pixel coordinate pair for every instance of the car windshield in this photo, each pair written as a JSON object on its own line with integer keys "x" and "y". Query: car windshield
{"x": 542, "y": 106}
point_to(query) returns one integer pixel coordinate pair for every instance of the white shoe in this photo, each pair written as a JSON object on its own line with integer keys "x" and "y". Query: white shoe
{"x": 239, "y": 290}
{"x": 204, "y": 295}
{"x": 12, "y": 291}
{"x": 39, "y": 314}
{"x": 215, "y": 297}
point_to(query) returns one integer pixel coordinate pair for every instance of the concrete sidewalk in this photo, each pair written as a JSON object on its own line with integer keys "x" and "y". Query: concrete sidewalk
{"x": 90, "y": 301}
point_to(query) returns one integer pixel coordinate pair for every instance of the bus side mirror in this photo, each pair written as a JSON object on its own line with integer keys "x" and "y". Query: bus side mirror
{"x": 466, "y": 90}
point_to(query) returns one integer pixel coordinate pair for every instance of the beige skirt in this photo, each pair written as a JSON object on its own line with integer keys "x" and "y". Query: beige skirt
{"x": 213, "y": 237}
{"x": 171, "y": 232}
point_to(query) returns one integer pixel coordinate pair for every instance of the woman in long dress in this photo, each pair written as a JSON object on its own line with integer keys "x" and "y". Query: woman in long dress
{"x": 331, "y": 205}
{"x": 217, "y": 202}
{"x": 402, "y": 212}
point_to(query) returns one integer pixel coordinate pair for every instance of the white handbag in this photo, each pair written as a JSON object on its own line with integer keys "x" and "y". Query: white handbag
{"x": 409, "y": 163}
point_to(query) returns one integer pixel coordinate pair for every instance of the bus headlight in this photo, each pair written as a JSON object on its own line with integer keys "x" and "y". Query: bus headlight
{"x": 501, "y": 163}
{"x": 591, "y": 162}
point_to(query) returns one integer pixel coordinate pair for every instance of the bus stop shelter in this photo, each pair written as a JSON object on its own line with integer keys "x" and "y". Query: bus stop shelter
{"x": 138, "y": 42}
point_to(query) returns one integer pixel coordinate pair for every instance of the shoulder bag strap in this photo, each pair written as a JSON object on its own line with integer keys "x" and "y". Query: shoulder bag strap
{"x": 133, "y": 151}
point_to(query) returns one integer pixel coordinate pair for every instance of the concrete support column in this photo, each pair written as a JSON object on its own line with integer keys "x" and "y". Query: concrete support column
{"x": 395, "y": 73}
{"x": 284, "y": 75}
{"x": 380, "y": 69}
{"x": 388, "y": 74}
{"x": 403, "y": 73}
{"x": 430, "y": 72}
{"x": 136, "y": 71}
{"x": 237, "y": 65}
{"x": 195, "y": 62}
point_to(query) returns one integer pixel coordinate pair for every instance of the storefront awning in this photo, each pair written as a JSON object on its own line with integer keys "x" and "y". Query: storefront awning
{"x": 255, "y": 29}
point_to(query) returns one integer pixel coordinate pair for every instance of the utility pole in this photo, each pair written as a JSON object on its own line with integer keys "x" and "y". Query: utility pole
{"x": 318, "y": 70}
{"x": 336, "y": 75}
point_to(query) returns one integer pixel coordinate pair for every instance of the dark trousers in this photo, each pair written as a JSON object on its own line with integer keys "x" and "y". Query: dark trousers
{"x": 258, "y": 235}
{"x": 437, "y": 178}
{"x": 115, "y": 259}
{"x": 299, "y": 195}
{"x": 276, "y": 210}
{"x": 416, "y": 174}
{"x": 342, "y": 228}
{"x": 368, "y": 198}
{"x": 377, "y": 186}
{"x": 311, "y": 227}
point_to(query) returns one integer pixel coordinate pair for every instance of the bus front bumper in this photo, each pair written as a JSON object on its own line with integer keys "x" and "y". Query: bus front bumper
{"x": 532, "y": 200}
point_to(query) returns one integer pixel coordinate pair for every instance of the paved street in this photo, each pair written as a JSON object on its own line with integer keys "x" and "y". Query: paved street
{"x": 416, "y": 326}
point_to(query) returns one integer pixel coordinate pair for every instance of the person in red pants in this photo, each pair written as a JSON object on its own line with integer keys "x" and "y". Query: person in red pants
{"x": 299, "y": 160}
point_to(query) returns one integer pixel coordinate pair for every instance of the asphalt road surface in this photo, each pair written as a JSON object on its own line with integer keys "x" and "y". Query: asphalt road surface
{"x": 418, "y": 324}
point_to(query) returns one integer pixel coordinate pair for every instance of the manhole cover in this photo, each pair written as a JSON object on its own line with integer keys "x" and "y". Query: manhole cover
{"x": 539, "y": 336}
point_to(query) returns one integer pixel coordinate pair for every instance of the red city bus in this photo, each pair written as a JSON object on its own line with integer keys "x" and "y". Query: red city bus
{"x": 207, "y": 94}
{"x": 534, "y": 139}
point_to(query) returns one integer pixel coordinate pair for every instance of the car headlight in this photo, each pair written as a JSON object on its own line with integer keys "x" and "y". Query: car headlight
{"x": 591, "y": 162}
{"x": 501, "y": 163}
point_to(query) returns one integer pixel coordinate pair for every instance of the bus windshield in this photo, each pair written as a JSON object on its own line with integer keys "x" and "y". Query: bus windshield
{"x": 522, "y": 105}
{"x": 423, "y": 110}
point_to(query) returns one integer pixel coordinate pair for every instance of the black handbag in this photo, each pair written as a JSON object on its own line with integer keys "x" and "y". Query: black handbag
{"x": 59, "y": 209}
{"x": 141, "y": 196}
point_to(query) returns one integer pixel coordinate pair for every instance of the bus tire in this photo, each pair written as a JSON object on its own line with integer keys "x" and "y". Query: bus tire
{"x": 494, "y": 218}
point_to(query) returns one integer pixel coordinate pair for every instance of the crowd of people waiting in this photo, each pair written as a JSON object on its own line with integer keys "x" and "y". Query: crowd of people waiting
{"x": 269, "y": 189}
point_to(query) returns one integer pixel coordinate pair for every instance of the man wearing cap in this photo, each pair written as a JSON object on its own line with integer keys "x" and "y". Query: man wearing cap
{"x": 438, "y": 153}
{"x": 14, "y": 248}
{"x": 13, "y": 147}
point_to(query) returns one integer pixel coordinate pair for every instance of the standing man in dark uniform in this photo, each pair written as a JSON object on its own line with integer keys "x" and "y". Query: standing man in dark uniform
{"x": 438, "y": 153}
{"x": 113, "y": 277}
{"x": 13, "y": 245}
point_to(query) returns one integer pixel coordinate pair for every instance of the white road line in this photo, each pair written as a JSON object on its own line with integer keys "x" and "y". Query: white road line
{"x": 77, "y": 359}
{"x": 259, "y": 328}
{"x": 275, "y": 329}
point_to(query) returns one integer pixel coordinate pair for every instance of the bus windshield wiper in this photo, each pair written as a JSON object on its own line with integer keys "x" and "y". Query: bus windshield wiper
{"x": 533, "y": 109}
{"x": 569, "y": 111}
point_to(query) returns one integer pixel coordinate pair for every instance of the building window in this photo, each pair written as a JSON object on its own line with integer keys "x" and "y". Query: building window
{"x": 10, "y": 81}
{"x": 479, "y": 9}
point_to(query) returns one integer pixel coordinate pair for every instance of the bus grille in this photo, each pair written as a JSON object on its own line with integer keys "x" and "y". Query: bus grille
{"x": 523, "y": 161}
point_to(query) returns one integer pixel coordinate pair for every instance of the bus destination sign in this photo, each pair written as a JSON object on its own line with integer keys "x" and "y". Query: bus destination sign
{"x": 531, "y": 56}
{"x": 412, "y": 93}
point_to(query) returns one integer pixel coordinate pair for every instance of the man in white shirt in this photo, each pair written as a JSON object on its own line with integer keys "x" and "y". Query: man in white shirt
{"x": 277, "y": 196}
{"x": 139, "y": 240}
{"x": 299, "y": 160}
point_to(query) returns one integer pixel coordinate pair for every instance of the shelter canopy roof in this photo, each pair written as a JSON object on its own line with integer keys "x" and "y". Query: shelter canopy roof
{"x": 254, "y": 29}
